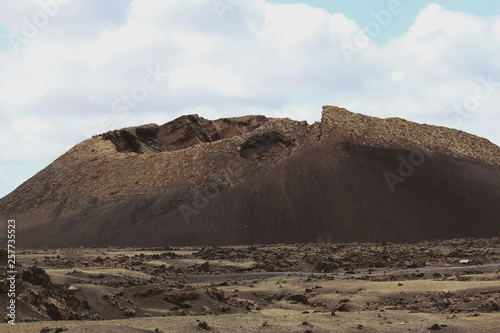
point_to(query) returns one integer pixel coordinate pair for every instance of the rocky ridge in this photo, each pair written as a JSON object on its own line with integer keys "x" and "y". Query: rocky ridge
{"x": 344, "y": 126}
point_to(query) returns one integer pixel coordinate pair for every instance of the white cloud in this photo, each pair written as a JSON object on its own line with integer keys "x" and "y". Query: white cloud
{"x": 278, "y": 60}
{"x": 398, "y": 75}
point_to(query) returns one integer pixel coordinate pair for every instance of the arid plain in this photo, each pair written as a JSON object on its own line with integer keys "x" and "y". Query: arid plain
{"x": 315, "y": 287}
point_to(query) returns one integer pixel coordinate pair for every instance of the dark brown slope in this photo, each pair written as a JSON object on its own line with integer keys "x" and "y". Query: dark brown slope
{"x": 264, "y": 180}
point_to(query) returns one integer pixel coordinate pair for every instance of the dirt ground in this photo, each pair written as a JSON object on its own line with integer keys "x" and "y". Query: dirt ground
{"x": 319, "y": 287}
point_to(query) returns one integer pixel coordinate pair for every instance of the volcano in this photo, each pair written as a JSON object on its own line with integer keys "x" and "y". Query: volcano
{"x": 253, "y": 179}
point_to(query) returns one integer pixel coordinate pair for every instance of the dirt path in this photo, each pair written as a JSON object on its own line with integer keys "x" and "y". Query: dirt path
{"x": 257, "y": 275}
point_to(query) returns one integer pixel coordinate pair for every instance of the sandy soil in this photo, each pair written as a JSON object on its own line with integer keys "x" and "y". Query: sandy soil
{"x": 263, "y": 288}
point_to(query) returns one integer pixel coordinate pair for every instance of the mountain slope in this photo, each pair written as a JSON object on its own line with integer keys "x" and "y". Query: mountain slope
{"x": 254, "y": 180}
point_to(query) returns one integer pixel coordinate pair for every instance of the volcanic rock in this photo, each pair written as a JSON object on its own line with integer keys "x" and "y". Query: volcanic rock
{"x": 36, "y": 275}
{"x": 254, "y": 179}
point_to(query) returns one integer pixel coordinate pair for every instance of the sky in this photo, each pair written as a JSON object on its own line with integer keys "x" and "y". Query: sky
{"x": 70, "y": 69}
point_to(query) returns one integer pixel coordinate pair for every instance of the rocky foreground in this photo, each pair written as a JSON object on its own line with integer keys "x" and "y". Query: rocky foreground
{"x": 316, "y": 287}
{"x": 252, "y": 180}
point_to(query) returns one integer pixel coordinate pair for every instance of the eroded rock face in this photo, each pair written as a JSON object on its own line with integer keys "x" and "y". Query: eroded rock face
{"x": 139, "y": 140}
{"x": 187, "y": 131}
{"x": 183, "y": 132}
{"x": 254, "y": 179}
